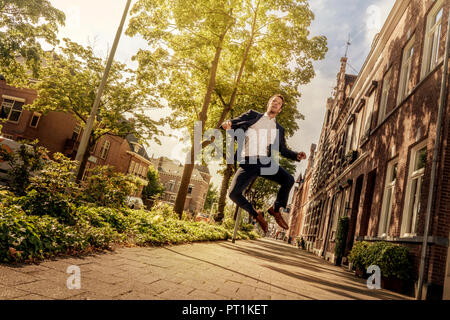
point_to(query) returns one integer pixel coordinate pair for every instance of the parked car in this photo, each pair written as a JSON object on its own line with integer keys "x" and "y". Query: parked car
{"x": 135, "y": 202}
{"x": 202, "y": 217}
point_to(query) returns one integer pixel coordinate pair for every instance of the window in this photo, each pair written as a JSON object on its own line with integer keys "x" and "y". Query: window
{"x": 11, "y": 109}
{"x": 190, "y": 189}
{"x": 368, "y": 114}
{"x": 348, "y": 144}
{"x": 432, "y": 38}
{"x": 385, "y": 96}
{"x": 131, "y": 168}
{"x": 104, "y": 150}
{"x": 357, "y": 130}
{"x": 388, "y": 199}
{"x": 405, "y": 71}
{"x": 413, "y": 190}
{"x": 76, "y": 133}
{"x": 170, "y": 185}
{"x": 35, "y": 120}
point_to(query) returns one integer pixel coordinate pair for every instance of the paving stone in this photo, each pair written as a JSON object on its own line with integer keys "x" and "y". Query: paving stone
{"x": 32, "y": 297}
{"x": 10, "y": 277}
{"x": 49, "y": 289}
{"x": 261, "y": 270}
{"x": 9, "y": 292}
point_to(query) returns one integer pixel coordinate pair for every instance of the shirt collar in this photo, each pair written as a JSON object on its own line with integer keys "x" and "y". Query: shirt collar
{"x": 267, "y": 115}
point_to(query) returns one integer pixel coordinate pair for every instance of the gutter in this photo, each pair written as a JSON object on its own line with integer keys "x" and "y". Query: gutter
{"x": 437, "y": 145}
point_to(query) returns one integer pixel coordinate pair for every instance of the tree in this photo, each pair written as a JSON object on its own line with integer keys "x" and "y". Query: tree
{"x": 69, "y": 82}
{"x": 154, "y": 186}
{"x": 212, "y": 196}
{"x": 268, "y": 39}
{"x": 185, "y": 72}
{"x": 23, "y": 24}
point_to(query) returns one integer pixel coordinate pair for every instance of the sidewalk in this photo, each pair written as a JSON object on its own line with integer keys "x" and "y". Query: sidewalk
{"x": 263, "y": 269}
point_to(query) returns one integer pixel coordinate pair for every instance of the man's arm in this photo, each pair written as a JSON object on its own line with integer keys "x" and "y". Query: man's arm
{"x": 235, "y": 123}
{"x": 288, "y": 153}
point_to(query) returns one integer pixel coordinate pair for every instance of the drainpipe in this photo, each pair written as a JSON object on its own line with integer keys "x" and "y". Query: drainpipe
{"x": 437, "y": 144}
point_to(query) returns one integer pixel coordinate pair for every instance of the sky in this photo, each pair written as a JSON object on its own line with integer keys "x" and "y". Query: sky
{"x": 95, "y": 23}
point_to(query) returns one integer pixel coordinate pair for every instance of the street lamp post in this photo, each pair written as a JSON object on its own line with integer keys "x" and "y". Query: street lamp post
{"x": 90, "y": 123}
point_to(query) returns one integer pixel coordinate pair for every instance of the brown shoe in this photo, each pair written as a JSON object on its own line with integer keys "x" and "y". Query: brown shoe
{"x": 278, "y": 218}
{"x": 263, "y": 224}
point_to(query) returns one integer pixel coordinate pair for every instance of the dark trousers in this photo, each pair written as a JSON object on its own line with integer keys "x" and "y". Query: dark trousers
{"x": 247, "y": 173}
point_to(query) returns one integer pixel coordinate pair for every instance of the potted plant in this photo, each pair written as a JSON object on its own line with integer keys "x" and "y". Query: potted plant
{"x": 341, "y": 239}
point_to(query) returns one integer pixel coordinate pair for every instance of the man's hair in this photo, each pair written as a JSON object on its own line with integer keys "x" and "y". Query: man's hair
{"x": 278, "y": 95}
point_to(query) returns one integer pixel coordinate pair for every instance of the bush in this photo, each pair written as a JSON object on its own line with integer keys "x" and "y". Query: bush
{"x": 394, "y": 260}
{"x": 24, "y": 162}
{"x": 341, "y": 238}
{"x": 358, "y": 255}
{"x": 53, "y": 191}
{"x": 108, "y": 188}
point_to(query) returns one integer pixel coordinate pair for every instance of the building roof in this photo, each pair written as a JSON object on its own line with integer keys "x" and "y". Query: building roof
{"x": 132, "y": 141}
{"x": 174, "y": 167}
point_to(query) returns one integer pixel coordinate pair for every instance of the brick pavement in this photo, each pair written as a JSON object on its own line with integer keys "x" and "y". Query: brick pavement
{"x": 249, "y": 270}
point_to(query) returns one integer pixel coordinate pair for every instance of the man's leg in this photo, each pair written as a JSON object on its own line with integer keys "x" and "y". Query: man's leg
{"x": 286, "y": 180}
{"x": 242, "y": 179}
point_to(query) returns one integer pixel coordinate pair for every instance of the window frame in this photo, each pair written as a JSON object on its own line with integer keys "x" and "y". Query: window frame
{"x": 385, "y": 90}
{"x": 429, "y": 41}
{"x": 38, "y": 115}
{"x": 408, "y": 217}
{"x": 404, "y": 88}
{"x": 103, "y": 148}
{"x": 11, "y": 110}
{"x": 389, "y": 186}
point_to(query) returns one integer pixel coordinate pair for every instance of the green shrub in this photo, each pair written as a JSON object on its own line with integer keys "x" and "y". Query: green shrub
{"x": 24, "y": 162}
{"x": 53, "y": 191}
{"x": 393, "y": 260}
{"x": 341, "y": 238}
{"x": 358, "y": 255}
{"x": 108, "y": 188}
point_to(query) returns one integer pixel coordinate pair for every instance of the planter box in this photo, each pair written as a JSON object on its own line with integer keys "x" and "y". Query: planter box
{"x": 361, "y": 273}
{"x": 397, "y": 285}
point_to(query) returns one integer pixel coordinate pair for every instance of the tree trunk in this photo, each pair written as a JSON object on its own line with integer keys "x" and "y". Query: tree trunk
{"x": 84, "y": 161}
{"x": 223, "y": 192}
{"x": 188, "y": 168}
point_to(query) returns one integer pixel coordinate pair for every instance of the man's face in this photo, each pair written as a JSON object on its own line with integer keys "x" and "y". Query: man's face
{"x": 275, "y": 106}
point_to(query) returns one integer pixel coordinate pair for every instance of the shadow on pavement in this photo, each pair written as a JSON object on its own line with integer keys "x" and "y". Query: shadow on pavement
{"x": 241, "y": 274}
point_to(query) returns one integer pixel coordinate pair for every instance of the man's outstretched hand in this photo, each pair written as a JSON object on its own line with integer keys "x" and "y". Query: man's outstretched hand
{"x": 301, "y": 156}
{"x": 226, "y": 125}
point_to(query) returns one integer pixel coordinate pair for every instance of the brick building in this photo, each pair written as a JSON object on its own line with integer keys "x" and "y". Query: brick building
{"x": 374, "y": 157}
{"x": 60, "y": 132}
{"x": 170, "y": 173}
{"x": 299, "y": 200}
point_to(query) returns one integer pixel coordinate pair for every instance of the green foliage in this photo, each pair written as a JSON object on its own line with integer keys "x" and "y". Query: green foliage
{"x": 341, "y": 237}
{"x": 53, "y": 191}
{"x": 212, "y": 196}
{"x": 23, "y": 163}
{"x": 154, "y": 186}
{"x": 107, "y": 187}
{"x": 25, "y": 237}
{"x": 69, "y": 81}
{"x": 24, "y": 24}
{"x": 394, "y": 260}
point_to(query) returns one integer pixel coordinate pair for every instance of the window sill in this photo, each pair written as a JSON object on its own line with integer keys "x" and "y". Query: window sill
{"x": 414, "y": 239}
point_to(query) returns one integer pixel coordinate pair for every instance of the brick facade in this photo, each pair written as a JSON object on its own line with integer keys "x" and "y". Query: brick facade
{"x": 369, "y": 161}
{"x": 170, "y": 173}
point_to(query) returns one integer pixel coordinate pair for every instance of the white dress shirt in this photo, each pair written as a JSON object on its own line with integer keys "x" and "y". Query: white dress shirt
{"x": 259, "y": 136}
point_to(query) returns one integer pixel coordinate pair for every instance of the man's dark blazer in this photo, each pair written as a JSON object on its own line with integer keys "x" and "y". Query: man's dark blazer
{"x": 249, "y": 118}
